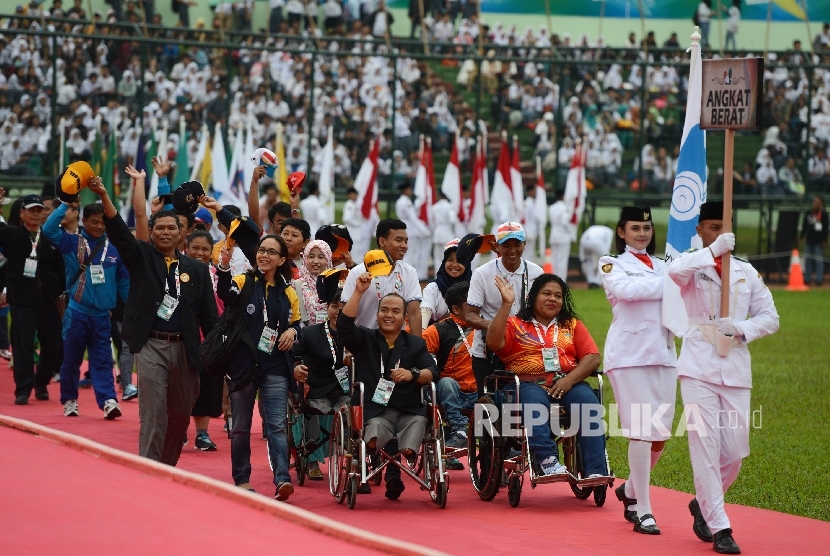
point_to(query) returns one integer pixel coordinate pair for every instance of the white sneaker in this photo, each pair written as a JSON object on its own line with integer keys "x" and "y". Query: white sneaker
{"x": 70, "y": 408}
{"x": 551, "y": 466}
{"x": 6, "y": 354}
{"x": 111, "y": 409}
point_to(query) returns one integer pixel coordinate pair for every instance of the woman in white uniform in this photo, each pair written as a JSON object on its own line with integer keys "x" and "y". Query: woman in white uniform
{"x": 640, "y": 357}
{"x": 451, "y": 272}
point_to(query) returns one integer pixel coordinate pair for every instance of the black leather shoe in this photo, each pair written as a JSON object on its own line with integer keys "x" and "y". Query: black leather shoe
{"x": 724, "y": 543}
{"x": 364, "y": 489}
{"x": 629, "y": 515}
{"x": 42, "y": 394}
{"x": 394, "y": 488}
{"x": 699, "y": 527}
{"x": 21, "y": 400}
{"x": 646, "y": 529}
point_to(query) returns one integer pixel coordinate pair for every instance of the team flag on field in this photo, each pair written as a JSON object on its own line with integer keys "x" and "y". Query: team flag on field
{"x": 688, "y": 194}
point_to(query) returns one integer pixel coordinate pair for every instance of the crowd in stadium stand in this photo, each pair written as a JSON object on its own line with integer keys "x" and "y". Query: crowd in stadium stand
{"x": 600, "y": 103}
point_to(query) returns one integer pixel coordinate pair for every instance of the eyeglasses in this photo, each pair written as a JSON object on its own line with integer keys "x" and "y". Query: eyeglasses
{"x": 270, "y": 252}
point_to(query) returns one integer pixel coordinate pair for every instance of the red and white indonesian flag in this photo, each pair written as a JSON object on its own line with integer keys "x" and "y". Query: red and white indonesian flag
{"x": 575, "y": 191}
{"x": 425, "y": 185}
{"x": 366, "y": 184}
{"x": 451, "y": 186}
{"x": 540, "y": 207}
{"x": 478, "y": 192}
{"x": 501, "y": 198}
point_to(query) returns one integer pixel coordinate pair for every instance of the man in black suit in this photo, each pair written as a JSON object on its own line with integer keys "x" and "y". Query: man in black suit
{"x": 388, "y": 359}
{"x": 36, "y": 278}
{"x": 171, "y": 299}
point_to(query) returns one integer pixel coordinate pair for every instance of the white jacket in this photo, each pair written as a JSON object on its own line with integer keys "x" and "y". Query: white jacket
{"x": 637, "y": 336}
{"x": 444, "y": 219}
{"x": 560, "y": 231}
{"x": 751, "y": 308}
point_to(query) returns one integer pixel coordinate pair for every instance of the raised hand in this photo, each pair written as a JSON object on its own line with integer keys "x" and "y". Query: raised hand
{"x": 161, "y": 165}
{"x": 96, "y": 185}
{"x": 508, "y": 296}
{"x": 156, "y": 205}
{"x": 225, "y": 257}
{"x": 363, "y": 282}
{"x": 210, "y": 203}
{"x": 138, "y": 176}
{"x": 259, "y": 173}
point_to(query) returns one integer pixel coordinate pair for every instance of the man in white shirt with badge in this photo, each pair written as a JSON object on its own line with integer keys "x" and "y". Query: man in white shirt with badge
{"x": 484, "y": 298}
{"x": 403, "y": 280}
{"x": 593, "y": 245}
{"x": 560, "y": 235}
{"x": 418, "y": 253}
{"x": 715, "y": 369}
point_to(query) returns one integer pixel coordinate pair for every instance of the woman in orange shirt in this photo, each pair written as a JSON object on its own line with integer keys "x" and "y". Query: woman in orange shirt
{"x": 553, "y": 353}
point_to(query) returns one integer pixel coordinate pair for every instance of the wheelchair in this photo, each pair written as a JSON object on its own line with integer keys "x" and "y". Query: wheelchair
{"x": 350, "y": 466}
{"x": 495, "y": 460}
{"x": 298, "y": 412}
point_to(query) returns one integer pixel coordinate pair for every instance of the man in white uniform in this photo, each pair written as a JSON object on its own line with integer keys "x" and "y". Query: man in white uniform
{"x": 353, "y": 220}
{"x": 560, "y": 236}
{"x": 313, "y": 210}
{"x": 418, "y": 232}
{"x": 594, "y": 243}
{"x": 718, "y": 386}
{"x": 444, "y": 220}
{"x": 484, "y": 298}
{"x": 532, "y": 225}
{"x": 392, "y": 238}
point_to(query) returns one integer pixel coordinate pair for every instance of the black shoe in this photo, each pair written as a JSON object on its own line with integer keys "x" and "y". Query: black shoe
{"x": 42, "y": 394}
{"x": 724, "y": 543}
{"x": 394, "y": 488}
{"x": 21, "y": 400}
{"x": 646, "y": 529}
{"x": 629, "y": 515}
{"x": 699, "y": 527}
{"x": 364, "y": 489}
{"x": 204, "y": 443}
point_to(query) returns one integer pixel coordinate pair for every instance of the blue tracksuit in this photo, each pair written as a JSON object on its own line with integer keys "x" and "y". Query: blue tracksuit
{"x": 86, "y": 324}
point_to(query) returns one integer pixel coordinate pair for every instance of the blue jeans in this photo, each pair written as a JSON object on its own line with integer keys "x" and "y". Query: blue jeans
{"x": 273, "y": 397}
{"x": 453, "y": 400}
{"x": 814, "y": 263}
{"x": 82, "y": 333}
{"x": 540, "y": 441}
{"x": 704, "y": 33}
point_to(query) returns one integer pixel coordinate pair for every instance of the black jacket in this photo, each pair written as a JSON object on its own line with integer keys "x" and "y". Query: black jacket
{"x": 315, "y": 351}
{"x": 50, "y": 275}
{"x": 148, "y": 271}
{"x": 367, "y": 347}
{"x": 810, "y": 225}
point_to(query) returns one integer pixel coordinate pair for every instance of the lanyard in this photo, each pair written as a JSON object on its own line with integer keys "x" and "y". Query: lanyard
{"x": 398, "y": 284}
{"x": 104, "y": 252}
{"x": 265, "y": 304}
{"x": 331, "y": 346}
{"x": 544, "y": 338}
{"x": 33, "y": 254}
{"x": 176, "y": 278}
{"x": 525, "y": 289}
{"x": 464, "y": 338}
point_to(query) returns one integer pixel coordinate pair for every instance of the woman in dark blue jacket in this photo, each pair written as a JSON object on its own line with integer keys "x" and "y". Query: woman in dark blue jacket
{"x": 272, "y": 314}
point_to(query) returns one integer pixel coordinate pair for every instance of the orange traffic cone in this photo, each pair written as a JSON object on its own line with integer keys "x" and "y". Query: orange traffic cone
{"x": 548, "y": 266}
{"x": 796, "y": 282}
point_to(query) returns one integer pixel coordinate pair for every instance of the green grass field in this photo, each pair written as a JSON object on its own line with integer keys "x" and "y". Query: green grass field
{"x": 788, "y": 469}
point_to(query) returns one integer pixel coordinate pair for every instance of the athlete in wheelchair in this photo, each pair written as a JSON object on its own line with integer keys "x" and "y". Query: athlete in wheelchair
{"x": 391, "y": 370}
{"x": 548, "y": 353}
{"x": 322, "y": 369}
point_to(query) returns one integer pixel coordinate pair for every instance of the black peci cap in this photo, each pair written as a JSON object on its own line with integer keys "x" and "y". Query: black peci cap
{"x": 635, "y": 214}
{"x": 186, "y": 197}
{"x": 713, "y": 210}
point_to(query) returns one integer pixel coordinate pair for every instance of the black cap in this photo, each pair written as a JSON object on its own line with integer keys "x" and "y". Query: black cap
{"x": 328, "y": 282}
{"x": 635, "y": 214}
{"x": 713, "y": 210}
{"x": 186, "y": 197}
{"x": 243, "y": 229}
{"x": 472, "y": 244}
{"x": 30, "y": 201}
{"x": 333, "y": 235}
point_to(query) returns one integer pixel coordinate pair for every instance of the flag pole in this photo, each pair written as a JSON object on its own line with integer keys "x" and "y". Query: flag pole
{"x": 728, "y": 170}
{"x": 769, "y": 20}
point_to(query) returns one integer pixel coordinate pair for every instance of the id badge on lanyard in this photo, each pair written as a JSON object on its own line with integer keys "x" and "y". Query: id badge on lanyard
{"x": 341, "y": 374}
{"x": 30, "y": 265}
{"x": 96, "y": 271}
{"x": 550, "y": 355}
{"x": 384, "y": 390}
{"x": 169, "y": 303}
{"x": 268, "y": 338}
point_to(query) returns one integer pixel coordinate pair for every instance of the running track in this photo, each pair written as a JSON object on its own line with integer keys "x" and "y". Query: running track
{"x": 35, "y": 474}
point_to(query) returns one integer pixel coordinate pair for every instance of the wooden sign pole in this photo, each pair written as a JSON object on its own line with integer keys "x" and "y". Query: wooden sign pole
{"x": 728, "y": 156}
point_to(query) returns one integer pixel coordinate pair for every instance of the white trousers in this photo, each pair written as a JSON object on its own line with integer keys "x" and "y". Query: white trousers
{"x": 720, "y": 445}
{"x": 561, "y": 252}
{"x": 418, "y": 255}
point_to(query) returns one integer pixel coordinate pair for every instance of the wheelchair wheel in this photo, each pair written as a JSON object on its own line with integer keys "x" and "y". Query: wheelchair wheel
{"x": 484, "y": 459}
{"x": 351, "y": 492}
{"x": 302, "y": 467}
{"x": 339, "y": 458}
{"x": 599, "y": 495}
{"x": 438, "y": 491}
{"x": 514, "y": 491}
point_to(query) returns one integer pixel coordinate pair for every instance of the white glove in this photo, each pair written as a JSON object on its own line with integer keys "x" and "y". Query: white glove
{"x": 726, "y": 326}
{"x": 723, "y": 244}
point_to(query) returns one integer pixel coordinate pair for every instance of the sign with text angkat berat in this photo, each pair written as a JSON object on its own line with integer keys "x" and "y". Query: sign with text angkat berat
{"x": 732, "y": 93}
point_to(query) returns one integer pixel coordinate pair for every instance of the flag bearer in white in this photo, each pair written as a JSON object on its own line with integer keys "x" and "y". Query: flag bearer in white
{"x": 594, "y": 243}
{"x": 419, "y": 234}
{"x": 640, "y": 357}
{"x": 444, "y": 220}
{"x": 560, "y": 236}
{"x": 714, "y": 368}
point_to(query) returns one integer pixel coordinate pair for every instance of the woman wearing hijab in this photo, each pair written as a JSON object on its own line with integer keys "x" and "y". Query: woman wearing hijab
{"x": 451, "y": 272}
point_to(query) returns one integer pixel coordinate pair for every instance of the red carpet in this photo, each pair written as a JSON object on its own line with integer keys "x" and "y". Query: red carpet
{"x": 549, "y": 516}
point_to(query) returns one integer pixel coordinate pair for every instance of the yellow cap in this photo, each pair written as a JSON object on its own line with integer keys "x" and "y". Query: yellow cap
{"x": 378, "y": 263}
{"x": 73, "y": 179}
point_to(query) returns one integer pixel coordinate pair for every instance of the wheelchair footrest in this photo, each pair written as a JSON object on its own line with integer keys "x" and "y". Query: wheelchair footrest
{"x": 595, "y": 482}
{"x": 548, "y": 479}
